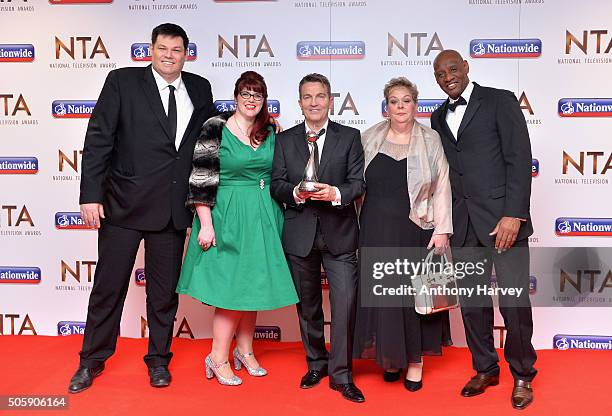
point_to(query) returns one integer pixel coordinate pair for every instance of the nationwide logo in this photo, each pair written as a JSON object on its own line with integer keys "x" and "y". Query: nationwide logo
{"x": 585, "y": 107}
{"x": 583, "y": 227}
{"x": 230, "y": 105}
{"x": 425, "y": 107}
{"x": 316, "y": 50}
{"x": 141, "y": 52}
{"x": 70, "y": 221}
{"x": 535, "y": 167}
{"x": 72, "y": 108}
{"x": 505, "y": 48}
{"x": 139, "y": 277}
{"x": 17, "y": 53}
{"x": 79, "y": 1}
{"x": 18, "y": 165}
{"x": 582, "y": 342}
{"x": 30, "y": 275}
{"x": 267, "y": 333}
{"x": 65, "y": 328}
{"x": 324, "y": 280}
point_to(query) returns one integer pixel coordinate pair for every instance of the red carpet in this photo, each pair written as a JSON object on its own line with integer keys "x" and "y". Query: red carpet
{"x": 569, "y": 383}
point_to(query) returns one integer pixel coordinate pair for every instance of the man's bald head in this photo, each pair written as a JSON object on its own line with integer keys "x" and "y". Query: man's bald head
{"x": 447, "y": 53}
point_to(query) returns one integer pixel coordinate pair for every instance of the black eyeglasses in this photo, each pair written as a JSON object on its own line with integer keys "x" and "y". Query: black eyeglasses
{"x": 246, "y": 95}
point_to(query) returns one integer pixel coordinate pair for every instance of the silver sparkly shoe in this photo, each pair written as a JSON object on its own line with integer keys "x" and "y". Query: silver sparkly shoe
{"x": 239, "y": 361}
{"x": 211, "y": 370}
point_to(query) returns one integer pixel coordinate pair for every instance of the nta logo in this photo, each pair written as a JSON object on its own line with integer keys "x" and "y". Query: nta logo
{"x": 583, "y": 45}
{"x": 403, "y": 45}
{"x": 83, "y": 42}
{"x": 20, "y": 105}
{"x": 580, "y": 165}
{"x": 235, "y": 48}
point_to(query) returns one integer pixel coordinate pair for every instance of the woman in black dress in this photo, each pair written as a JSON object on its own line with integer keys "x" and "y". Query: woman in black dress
{"x": 407, "y": 206}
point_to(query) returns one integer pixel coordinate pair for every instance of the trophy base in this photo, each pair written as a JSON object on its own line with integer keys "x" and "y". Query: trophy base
{"x": 307, "y": 187}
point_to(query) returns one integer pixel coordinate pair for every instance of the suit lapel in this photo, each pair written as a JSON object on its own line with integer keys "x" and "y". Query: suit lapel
{"x": 331, "y": 141}
{"x": 471, "y": 109}
{"x": 299, "y": 139}
{"x": 198, "y": 104}
{"x": 152, "y": 94}
{"x": 448, "y": 134}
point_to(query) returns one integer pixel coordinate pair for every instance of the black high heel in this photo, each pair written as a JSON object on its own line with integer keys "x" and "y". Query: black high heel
{"x": 391, "y": 376}
{"x": 413, "y": 385}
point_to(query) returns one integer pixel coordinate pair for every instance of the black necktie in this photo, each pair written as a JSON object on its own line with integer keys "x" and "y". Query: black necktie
{"x": 172, "y": 112}
{"x": 316, "y": 136}
{"x": 453, "y": 106}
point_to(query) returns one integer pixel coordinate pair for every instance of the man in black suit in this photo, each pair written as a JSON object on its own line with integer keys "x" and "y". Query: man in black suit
{"x": 136, "y": 163}
{"x": 487, "y": 146}
{"x": 321, "y": 227}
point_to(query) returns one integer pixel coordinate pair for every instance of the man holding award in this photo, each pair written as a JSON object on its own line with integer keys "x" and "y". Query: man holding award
{"x": 318, "y": 174}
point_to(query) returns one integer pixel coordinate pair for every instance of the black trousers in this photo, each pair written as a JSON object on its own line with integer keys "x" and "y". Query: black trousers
{"x": 117, "y": 248}
{"x": 341, "y": 273}
{"x": 512, "y": 271}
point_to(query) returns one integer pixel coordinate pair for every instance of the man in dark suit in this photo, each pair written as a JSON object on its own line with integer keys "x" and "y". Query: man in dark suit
{"x": 321, "y": 227}
{"x": 136, "y": 163}
{"x": 487, "y": 146}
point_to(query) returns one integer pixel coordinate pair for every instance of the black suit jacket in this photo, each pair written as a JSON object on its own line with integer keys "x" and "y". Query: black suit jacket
{"x": 490, "y": 163}
{"x": 341, "y": 166}
{"x": 130, "y": 162}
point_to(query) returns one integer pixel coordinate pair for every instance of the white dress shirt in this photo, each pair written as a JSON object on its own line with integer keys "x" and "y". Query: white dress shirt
{"x": 184, "y": 106}
{"x": 453, "y": 118}
{"x": 320, "y": 144}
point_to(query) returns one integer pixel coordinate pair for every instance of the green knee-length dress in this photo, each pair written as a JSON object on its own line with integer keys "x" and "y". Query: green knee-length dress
{"x": 247, "y": 270}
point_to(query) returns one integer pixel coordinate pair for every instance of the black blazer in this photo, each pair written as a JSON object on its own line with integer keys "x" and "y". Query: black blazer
{"x": 130, "y": 162}
{"x": 341, "y": 166}
{"x": 490, "y": 163}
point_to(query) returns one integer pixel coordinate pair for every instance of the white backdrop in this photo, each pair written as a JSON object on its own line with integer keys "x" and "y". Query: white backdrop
{"x": 40, "y": 71}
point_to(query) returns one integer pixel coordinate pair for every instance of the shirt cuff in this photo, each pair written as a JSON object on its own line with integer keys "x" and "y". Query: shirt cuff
{"x": 296, "y": 198}
{"x": 338, "y": 200}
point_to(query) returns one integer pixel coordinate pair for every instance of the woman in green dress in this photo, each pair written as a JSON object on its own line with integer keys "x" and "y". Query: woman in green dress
{"x": 235, "y": 260}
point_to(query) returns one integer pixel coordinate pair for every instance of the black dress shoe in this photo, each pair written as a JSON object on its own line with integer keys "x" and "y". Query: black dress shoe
{"x": 83, "y": 378}
{"x": 391, "y": 376}
{"x": 159, "y": 376}
{"x": 349, "y": 392}
{"x": 312, "y": 378}
{"x": 522, "y": 394}
{"x": 478, "y": 384}
{"x": 413, "y": 385}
